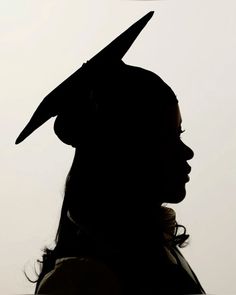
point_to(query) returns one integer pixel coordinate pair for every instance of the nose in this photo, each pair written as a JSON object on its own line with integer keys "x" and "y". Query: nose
{"x": 188, "y": 152}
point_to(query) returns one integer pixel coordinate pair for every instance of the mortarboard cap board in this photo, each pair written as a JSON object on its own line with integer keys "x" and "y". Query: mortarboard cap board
{"x": 54, "y": 103}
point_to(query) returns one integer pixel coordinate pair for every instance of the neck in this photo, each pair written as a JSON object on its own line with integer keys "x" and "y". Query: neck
{"x": 134, "y": 232}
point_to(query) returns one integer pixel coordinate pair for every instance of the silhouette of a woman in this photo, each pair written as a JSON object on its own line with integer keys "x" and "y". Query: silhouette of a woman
{"x": 114, "y": 235}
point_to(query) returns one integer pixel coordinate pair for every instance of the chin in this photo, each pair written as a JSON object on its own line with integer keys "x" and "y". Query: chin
{"x": 175, "y": 196}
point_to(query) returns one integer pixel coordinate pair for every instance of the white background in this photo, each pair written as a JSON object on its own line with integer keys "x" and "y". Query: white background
{"x": 191, "y": 45}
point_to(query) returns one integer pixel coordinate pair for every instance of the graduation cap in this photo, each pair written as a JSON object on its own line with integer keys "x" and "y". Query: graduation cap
{"x": 70, "y": 91}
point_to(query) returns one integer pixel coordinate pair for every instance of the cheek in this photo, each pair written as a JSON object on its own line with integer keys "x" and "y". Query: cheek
{"x": 168, "y": 156}
{"x": 169, "y": 166}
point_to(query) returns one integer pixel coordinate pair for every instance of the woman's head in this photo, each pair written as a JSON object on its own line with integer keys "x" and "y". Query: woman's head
{"x": 132, "y": 156}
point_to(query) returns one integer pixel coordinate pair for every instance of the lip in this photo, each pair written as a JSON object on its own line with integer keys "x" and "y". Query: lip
{"x": 185, "y": 177}
{"x": 188, "y": 169}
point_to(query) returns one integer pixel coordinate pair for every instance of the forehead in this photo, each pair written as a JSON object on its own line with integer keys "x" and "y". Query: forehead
{"x": 172, "y": 117}
{"x": 178, "y": 116}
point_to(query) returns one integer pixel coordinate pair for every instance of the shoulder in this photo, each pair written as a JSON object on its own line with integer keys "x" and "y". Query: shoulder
{"x": 80, "y": 276}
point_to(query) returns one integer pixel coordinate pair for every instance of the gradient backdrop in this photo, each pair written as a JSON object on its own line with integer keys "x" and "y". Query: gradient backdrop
{"x": 191, "y": 45}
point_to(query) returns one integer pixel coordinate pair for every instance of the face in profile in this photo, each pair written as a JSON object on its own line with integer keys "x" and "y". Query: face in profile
{"x": 156, "y": 164}
{"x": 172, "y": 166}
{"x": 151, "y": 158}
